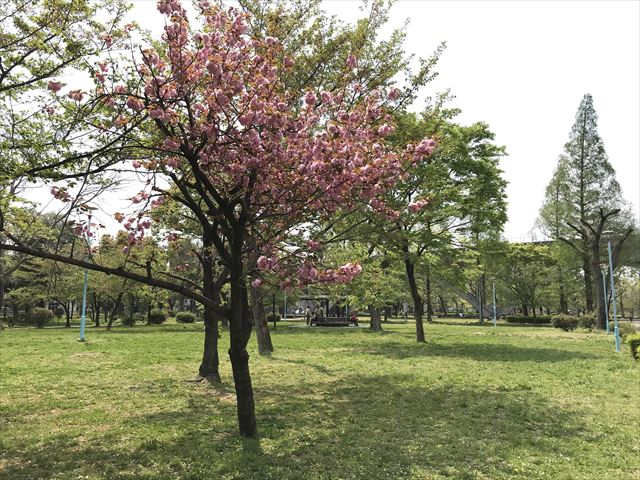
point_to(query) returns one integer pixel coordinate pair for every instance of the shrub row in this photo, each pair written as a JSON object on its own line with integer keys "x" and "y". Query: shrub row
{"x": 156, "y": 317}
{"x": 625, "y": 329}
{"x": 185, "y": 317}
{"x": 543, "y": 319}
{"x": 271, "y": 317}
{"x": 633, "y": 340}
{"x": 40, "y": 316}
{"x": 565, "y": 322}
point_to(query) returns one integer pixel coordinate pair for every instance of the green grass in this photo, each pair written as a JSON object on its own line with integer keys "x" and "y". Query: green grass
{"x": 472, "y": 403}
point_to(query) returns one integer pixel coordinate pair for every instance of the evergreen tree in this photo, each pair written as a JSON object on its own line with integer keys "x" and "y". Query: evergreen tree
{"x": 583, "y": 200}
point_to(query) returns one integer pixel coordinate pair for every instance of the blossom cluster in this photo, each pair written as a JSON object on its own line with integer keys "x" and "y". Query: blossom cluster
{"x": 221, "y": 107}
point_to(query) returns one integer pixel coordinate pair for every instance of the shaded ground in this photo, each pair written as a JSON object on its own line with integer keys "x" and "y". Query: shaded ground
{"x": 472, "y": 403}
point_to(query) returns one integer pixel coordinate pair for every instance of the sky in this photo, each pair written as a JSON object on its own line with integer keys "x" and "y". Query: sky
{"x": 522, "y": 67}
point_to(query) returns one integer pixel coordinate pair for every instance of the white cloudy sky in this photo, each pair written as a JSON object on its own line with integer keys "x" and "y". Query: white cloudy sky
{"x": 523, "y": 67}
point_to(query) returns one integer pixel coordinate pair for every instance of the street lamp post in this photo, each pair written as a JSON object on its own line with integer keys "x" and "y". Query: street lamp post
{"x": 616, "y": 330}
{"x": 606, "y": 307}
{"x": 83, "y": 317}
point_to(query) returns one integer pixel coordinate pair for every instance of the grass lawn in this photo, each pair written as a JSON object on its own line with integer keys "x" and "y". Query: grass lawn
{"x": 473, "y": 403}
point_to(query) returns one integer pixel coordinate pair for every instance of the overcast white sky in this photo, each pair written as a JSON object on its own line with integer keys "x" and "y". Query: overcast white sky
{"x": 523, "y": 67}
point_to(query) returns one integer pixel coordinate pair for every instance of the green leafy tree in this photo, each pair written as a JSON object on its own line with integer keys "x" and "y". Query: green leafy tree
{"x": 457, "y": 194}
{"x": 583, "y": 200}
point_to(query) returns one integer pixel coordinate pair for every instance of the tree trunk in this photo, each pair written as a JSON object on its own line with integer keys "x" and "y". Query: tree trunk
{"x": 525, "y": 309}
{"x": 68, "y": 313}
{"x": 481, "y": 297}
{"x": 239, "y": 334}
{"x": 96, "y": 310}
{"x": 428, "y": 295}
{"x": 114, "y": 311}
{"x": 149, "y": 312}
{"x": 443, "y": 305}
{"x": 600, "y": 303}
{"x": 375, "y": 324}
{"x": 265, "y": 346}
{"x": 2, "y": 306}
{"x": 418, "y": 305}
{"x": 564, "y": 308}
{"x": 210, "y": 366}
{"x": 15, "y": 310}
{"x": 588, "y": 282}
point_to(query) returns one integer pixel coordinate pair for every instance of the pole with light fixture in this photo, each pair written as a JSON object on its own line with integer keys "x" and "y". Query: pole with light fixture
{"x": 616, "y": 330}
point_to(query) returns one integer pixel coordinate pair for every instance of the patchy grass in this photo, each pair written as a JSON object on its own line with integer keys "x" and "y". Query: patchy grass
{"x": 473, "y": 403}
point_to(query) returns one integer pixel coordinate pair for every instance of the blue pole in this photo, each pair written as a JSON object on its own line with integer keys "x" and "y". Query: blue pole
{"x": 616, "y": 330}
{"x": 495, "y": 318}
{"x": 606, "y": 307}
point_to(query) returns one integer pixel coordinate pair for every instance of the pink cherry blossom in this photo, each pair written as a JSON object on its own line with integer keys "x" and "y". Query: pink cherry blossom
{"x": 54, "y": 86}
{"x": 425, "y": 147}
{"x": 135, "y": 104}
{"x": 171, "y": 143}
{"x": 385, "y": 130}
{"x": 310, "y": 98}
{"x": 415, "y": 207}
{"x": 76, "y": 95}
{"x": 351, "y": 62}
{"x": 394, "y": 93}
{"x": 313, "y": 245}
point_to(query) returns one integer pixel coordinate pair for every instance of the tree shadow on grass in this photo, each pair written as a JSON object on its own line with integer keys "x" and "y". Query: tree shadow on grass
{"x": 368, "y": 427}
{"x": 487, "y": 323}
{"x": 486, "y": 352}
{"x": 327, "y": 331}
{"x": 146, "y": 329}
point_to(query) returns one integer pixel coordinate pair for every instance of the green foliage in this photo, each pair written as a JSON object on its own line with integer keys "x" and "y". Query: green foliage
{"x": 59, "y": 312}
{"x": 584, "y": 180}
{"x": 633, "y": 341}
{"x": 185, "y": 317}
{"x": 624, "y": 329}
{"x": 271, "y": 317}
{"x": 130, "y": 321}
{"x": 565, "y": 322}
{"x": 156, "y": 317}
{"x": 40, "y": 316}
{"x": 542, "y": 320}
{"x": 587, "y": 321}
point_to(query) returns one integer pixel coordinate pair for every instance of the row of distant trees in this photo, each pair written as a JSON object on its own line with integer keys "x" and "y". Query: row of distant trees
{"x": 526, "y": 277}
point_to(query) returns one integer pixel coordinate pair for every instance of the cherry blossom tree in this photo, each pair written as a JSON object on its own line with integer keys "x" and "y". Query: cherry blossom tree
{"x": 214, "y": 129}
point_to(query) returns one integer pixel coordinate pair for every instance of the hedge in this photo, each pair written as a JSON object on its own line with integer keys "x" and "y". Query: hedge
{"x": 185, "y": 317}
{"x": 565, "y": 322}
{"x": 542, "y": 319}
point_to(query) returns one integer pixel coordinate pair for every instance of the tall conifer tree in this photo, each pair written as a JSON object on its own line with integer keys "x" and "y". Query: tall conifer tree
{"x": 584, "y": 199}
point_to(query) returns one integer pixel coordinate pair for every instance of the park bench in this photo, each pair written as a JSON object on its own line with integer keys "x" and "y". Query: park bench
{"x": 331, "y": 322}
